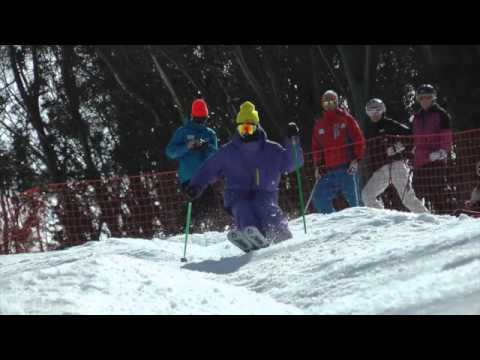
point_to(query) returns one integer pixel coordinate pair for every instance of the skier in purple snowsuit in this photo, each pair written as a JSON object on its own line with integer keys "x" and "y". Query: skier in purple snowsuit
{"x": 252, "y": 167}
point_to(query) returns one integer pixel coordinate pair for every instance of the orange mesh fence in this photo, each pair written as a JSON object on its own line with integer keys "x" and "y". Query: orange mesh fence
{"x": 21, "y": 224}
{"x": 152, "y": 205}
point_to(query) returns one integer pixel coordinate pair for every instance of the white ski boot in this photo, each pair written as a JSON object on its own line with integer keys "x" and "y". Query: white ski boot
{"x": 249, "y": 239}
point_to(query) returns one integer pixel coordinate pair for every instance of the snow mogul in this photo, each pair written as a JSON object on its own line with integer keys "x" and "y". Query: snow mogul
{"x": 252, "y": 167}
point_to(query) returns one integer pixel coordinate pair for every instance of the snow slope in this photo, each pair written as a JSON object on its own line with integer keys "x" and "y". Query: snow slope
{"x": 358, "y": 261}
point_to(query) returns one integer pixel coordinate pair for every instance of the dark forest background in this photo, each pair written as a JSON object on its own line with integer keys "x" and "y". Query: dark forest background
{"x": 86, "y": 112}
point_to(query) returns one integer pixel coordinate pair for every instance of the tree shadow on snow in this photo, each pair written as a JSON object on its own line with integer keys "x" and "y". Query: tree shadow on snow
{"x": 222, "y": 266}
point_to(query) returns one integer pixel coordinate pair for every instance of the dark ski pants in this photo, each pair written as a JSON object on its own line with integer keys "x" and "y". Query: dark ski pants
{"x": 431, "y": 182}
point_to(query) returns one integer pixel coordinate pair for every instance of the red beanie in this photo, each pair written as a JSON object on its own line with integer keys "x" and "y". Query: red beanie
{"x": 199, "y": 108}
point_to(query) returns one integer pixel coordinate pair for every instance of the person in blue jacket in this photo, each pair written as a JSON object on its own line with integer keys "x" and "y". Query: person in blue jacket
{"x": 192, "y": 144}
{"x": 251, "y": 166}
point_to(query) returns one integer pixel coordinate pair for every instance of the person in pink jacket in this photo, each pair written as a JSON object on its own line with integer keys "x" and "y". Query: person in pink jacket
{"x": 432, "y": 130}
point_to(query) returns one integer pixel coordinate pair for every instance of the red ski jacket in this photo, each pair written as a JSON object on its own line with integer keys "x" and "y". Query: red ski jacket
{"x": 337, "y": 139}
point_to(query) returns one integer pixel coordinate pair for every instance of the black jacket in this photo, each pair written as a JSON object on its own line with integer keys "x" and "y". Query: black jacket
{"x": 382, "y": 135}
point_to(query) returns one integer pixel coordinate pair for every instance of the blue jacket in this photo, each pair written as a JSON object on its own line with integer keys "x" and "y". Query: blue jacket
{"x": 253, "y": 166}
{"x": 191, "y": 160}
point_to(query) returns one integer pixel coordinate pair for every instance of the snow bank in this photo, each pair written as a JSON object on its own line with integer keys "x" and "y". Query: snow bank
{"x": 358, "y": 261}
{"x": 120, "y": 277}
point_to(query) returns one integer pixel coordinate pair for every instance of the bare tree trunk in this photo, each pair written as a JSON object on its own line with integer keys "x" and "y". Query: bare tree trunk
{"x": 252, "y": 81}
{"x": 121, "y": 81}
{"x": 73, "y": 105}
{"x": 231, "y": 108}
{"x": 328, "y": 63}
{"x": 35, "y": 150}
{"x": 367, "y": 72}
{"x": 428, "y": 54}
{"x": 430, "y": 70}
{"x": 315, "y": 81}
{"x": 279, "y": 109}
{"x": 358, "y": 64}
{"x": 200, "y": 88}
{"x": 30, "y": 96}
{"x": 6, "y": 228}
{"x": 167, "y": 83}
{"x": 357, "y": 61}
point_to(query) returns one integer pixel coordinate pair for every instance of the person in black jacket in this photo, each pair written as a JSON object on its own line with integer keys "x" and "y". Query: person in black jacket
{"x": 387, "y": 159}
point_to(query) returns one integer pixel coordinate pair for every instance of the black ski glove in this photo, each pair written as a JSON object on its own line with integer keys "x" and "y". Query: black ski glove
{"x": 191, "y": 193}
{"x": 292, "y": 130}
{"x": 198, "y": 144}
{"x": 319, "y": 172}
{"x": 202, "y": 145}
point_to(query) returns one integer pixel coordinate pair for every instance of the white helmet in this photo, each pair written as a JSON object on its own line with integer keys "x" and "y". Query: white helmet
{"x": 330, "y": 95}
{"x": 375, "y": 105}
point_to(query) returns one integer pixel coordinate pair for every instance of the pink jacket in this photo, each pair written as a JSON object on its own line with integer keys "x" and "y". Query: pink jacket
{"x": 433, "y": 131}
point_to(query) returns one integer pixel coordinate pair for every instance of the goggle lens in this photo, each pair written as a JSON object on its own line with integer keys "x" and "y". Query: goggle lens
{"x": 424, "y": 97}
{"x": 246, "y": 129}
{"x": 329, "y": 104}
{"x": 374, "y": 112}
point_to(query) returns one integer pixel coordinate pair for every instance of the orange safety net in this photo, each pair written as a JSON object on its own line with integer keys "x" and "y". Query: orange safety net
{"x": 152, "y": 205}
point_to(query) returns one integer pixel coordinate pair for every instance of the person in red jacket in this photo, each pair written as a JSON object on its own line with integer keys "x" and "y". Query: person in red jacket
{"x": 338, "y": 145}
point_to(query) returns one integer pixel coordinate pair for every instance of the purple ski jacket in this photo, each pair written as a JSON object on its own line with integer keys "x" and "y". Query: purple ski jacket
{"x": 250, "y": 166}
{"x": 432, "y": 130}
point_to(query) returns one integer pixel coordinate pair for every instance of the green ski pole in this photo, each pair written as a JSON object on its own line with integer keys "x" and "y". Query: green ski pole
{"x": 300, "y": 190}
{"x": 187, "y": 230}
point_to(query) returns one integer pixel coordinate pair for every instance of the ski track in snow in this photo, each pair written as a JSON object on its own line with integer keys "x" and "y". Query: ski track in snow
{"x": 357, "y": 261}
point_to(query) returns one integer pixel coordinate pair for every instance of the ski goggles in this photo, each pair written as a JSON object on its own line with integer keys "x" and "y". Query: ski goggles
{"x": 328, "y": 104}
{"x": 374, "y": 112}
{"x": 425, "y": 97}
{"x": 246, "y": 129}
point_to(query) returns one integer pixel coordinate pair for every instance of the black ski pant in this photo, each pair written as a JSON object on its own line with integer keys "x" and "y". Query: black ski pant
{"x": 431, "y": 182}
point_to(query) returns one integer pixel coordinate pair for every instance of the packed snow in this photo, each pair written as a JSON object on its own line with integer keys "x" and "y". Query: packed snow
{"x": 357, "y": 261}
